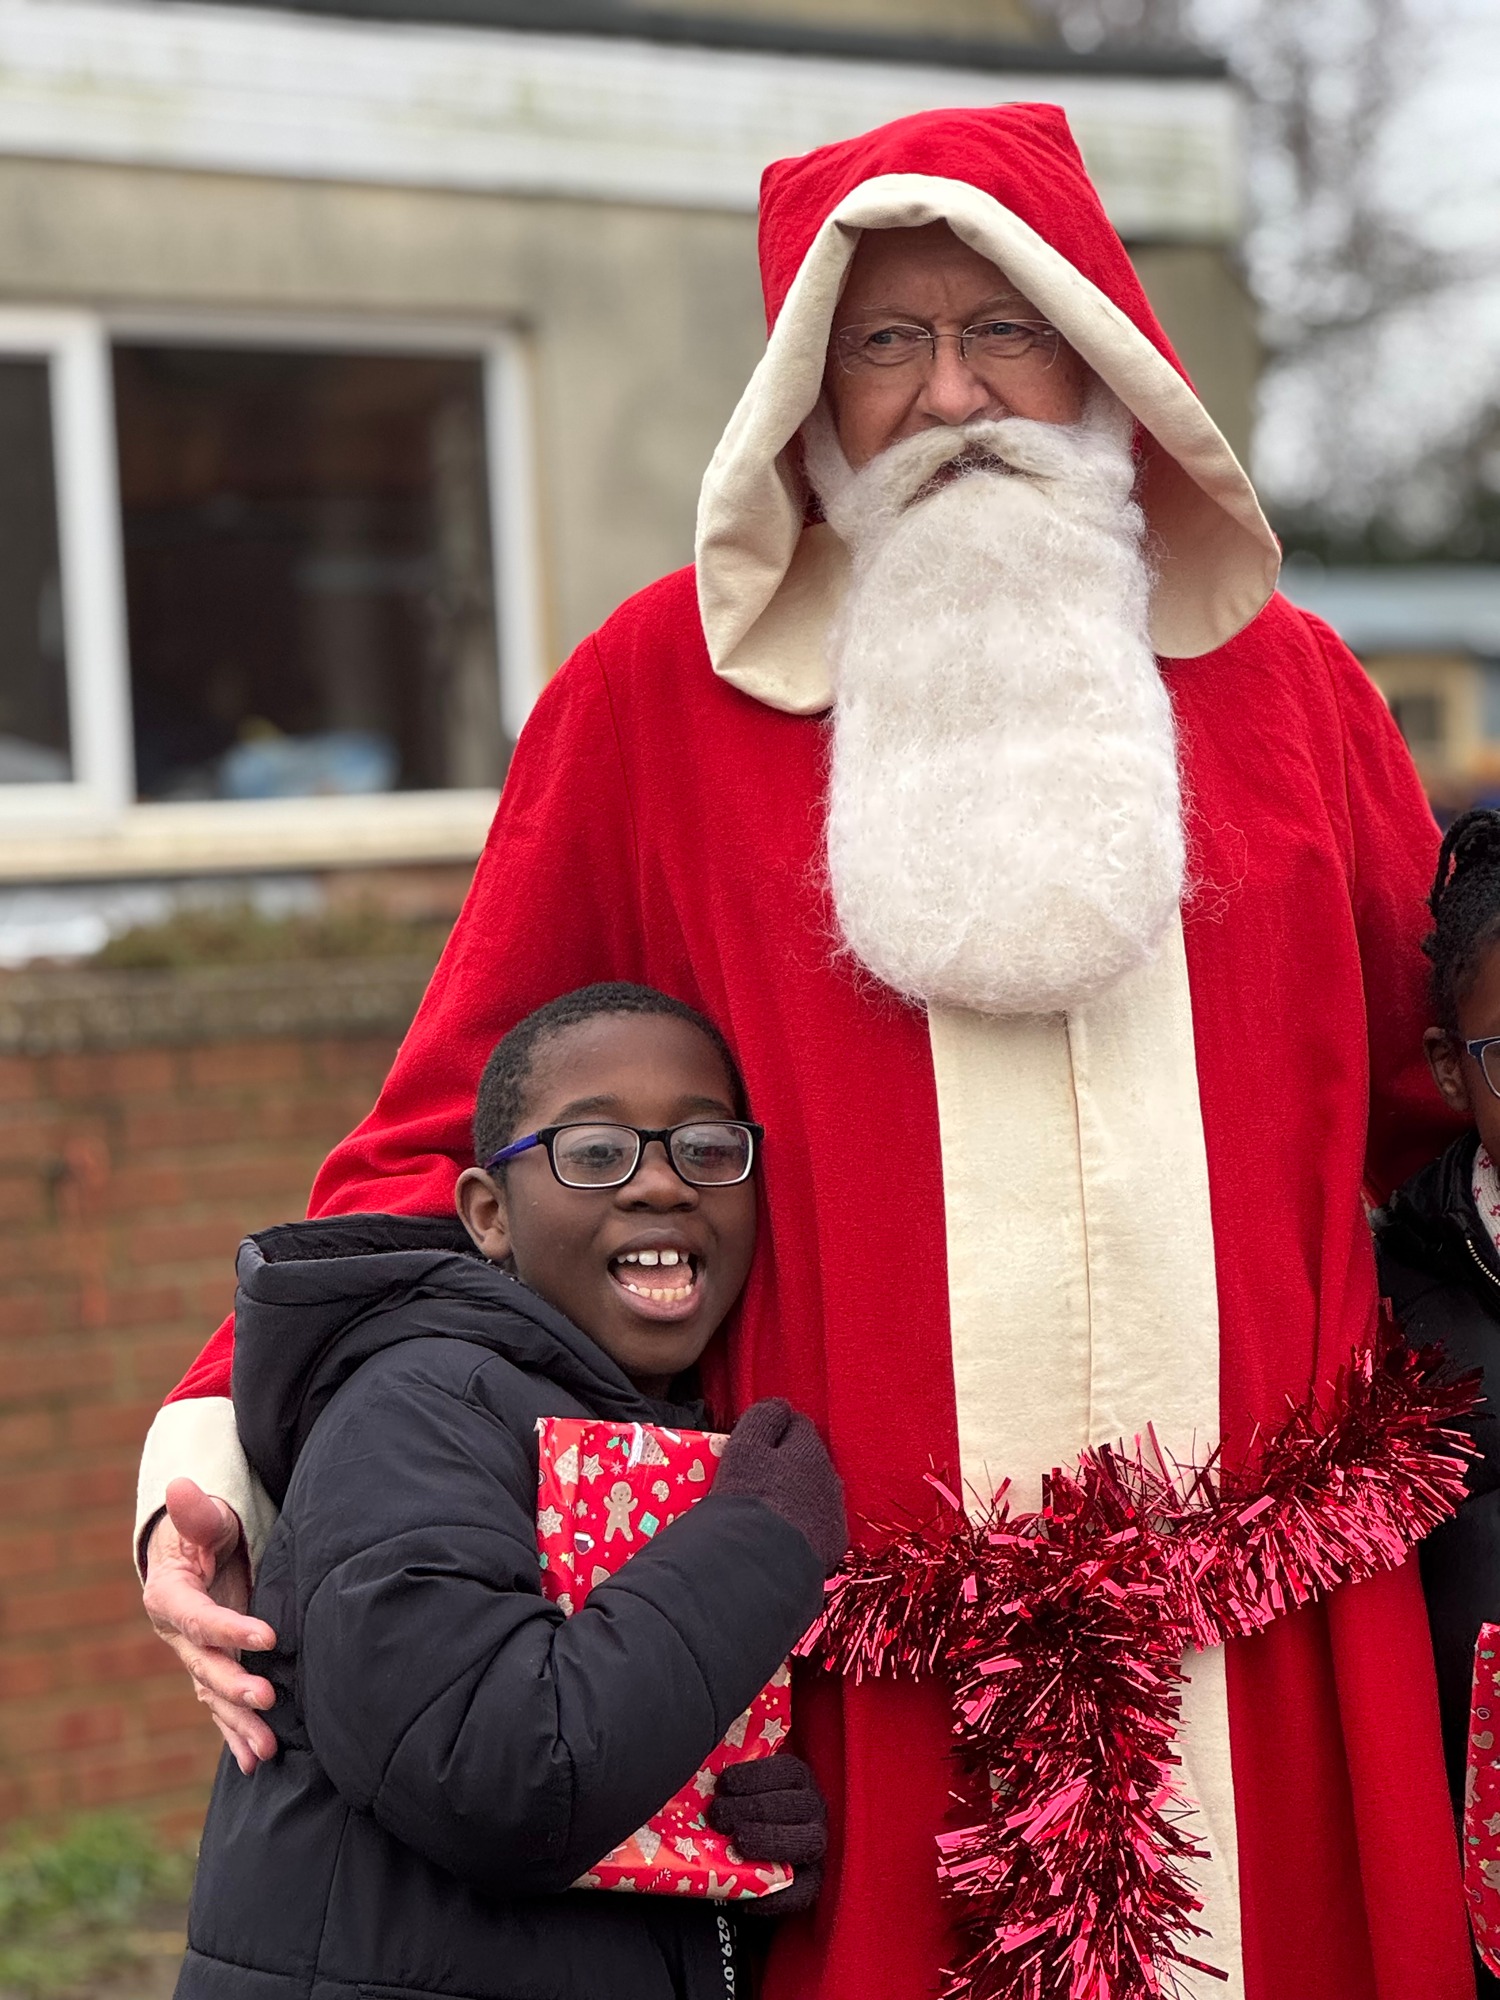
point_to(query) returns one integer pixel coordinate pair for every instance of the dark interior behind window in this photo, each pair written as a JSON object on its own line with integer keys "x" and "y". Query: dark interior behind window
{"x": 34, "y": 741}
{"x": 308, "y": 577}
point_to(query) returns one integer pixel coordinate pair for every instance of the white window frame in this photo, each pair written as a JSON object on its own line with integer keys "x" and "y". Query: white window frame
{"x": 76, "y": 350}
{"x": 93, "y": 824}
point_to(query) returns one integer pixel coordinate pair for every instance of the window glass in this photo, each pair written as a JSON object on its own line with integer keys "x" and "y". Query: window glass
{"x": 307, "y": 569}
{"x": 34, "y": 745}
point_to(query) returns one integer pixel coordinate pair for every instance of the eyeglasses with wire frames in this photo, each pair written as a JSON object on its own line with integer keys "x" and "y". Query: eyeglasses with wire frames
{"x": 1486, "y": 1052}
{"x": 704, "y": 1152}
{"x": 885, "y": 343}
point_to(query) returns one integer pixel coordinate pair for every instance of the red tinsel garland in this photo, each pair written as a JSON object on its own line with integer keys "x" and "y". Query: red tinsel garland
{"x": 1062, "y": 1633}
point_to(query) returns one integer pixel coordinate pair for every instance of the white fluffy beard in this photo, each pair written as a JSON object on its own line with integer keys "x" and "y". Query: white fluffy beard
{"x": 1004, "y": 822}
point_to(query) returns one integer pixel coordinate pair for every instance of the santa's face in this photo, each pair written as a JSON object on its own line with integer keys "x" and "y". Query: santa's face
{"x": 928, "y": 278}
{"x": 650, "y": 1269}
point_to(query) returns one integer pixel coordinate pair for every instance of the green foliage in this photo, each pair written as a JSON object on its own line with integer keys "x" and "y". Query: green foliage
{"x": 238, "y": 934}
{"x": 69, "y": 1902}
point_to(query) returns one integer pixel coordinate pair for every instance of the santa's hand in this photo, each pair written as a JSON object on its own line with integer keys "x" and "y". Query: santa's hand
{"x": 773, "y": 1811}
{"x": 774, "y": 1453}
{"x": 197, "y": 1590}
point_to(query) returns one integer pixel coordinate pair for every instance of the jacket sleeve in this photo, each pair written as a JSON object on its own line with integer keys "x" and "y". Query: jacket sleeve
{"x": 443, "y": 1694}
{"x": 553, "y": 905}
{"x": 1394, "y": 852}
{"x": 1460, "y": 1561}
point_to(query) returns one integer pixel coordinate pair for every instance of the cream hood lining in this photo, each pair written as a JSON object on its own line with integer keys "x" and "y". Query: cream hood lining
{"x": 768, "y": 585}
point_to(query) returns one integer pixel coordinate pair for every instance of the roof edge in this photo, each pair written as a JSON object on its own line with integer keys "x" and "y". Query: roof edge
{"x": 600, "y": 19}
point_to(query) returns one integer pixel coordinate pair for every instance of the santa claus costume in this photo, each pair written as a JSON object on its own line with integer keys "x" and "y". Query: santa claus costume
{"x": 995, "y": 1240}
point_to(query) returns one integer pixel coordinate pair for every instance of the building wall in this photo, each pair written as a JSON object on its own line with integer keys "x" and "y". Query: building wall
{"x": 128, "y": 1174}
{"x": 645, "y": 322}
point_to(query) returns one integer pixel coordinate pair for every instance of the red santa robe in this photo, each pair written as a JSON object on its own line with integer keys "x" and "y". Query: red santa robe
{"x": 987, "y": 1244}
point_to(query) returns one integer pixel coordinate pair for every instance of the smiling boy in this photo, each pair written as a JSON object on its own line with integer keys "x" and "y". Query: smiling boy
{"x": 453, "y": 1752}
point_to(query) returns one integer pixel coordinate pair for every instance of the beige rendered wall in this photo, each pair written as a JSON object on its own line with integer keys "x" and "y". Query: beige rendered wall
{"x": 645, "y": 322}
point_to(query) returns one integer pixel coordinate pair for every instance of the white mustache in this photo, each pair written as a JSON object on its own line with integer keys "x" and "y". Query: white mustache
{"x": 912, "y": 471}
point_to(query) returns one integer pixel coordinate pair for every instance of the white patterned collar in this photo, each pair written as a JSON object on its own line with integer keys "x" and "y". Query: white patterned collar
{"x": 1485, "y": 1188}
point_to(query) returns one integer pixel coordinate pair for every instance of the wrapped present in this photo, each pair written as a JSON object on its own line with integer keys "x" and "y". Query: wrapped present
{"x": 1482, "y": 1801}
{"x": 603, "y": 1491}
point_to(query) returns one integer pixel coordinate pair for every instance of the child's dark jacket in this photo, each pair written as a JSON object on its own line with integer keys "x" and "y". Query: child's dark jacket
{"x": 454, "y": 1752}
{"x": 1439, "y": 1270}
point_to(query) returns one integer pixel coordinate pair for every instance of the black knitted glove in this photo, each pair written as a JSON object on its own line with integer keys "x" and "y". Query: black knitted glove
{"x": 775, "y": 1454}
{"x": 773, "y": 1811}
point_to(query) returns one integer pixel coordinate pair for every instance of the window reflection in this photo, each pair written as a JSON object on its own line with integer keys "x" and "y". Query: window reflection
{"x": 308, "y": 579}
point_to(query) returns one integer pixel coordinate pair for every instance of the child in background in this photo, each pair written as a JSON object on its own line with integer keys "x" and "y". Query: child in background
{"x": 1438, "y": 1243}
{"x": 454, "y": 1751}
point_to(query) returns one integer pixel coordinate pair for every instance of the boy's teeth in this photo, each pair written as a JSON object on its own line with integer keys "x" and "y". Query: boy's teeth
{"x": 652, "y": 1257}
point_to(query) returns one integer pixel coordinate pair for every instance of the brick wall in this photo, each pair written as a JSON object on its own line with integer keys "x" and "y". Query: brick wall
{"x": 128, "y": 1174}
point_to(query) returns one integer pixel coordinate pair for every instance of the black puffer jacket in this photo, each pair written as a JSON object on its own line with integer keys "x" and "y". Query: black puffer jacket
{"x": 1439, "y": 1270}
{"x": 454, "y": 1752}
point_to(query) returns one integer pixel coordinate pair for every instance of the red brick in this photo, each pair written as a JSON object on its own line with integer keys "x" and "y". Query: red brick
{"x": 175, "y": 1711}
{"x": 152, "y": 1367}
{"x": 94, "y": 1426}
{"x": 74, "y": 1728}
{"x": 25, "y": 1675}
{"x": 136, "y": 1655}
{"x": 71, "y": 1608}
{"x": 99, "y": 1550}
{"x": 142, "y": 1305}
{"x": 34, "y": 1140}
{"x": 180, "y": 1241}
{"x": 125, "y": 1073}
{"x": 361, "y": 1062}
{"x": 107, "y": 1782}
{"x": 25, "y": 1201}
{"x": 34, "y": 1792}
{"x": 29, "y": 1315}
{"x": 46, "y": 1368}
{"x": 32, "y": 1434}
{"x": 53, "y": 1491}
{"x": 245, "y": 1065}
{"x": 34, "y": 1554}
{"x": 20, "y": 1079}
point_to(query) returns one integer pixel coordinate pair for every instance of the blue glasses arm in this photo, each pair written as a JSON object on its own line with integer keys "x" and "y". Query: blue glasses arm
{"x": 509, "y": 1152}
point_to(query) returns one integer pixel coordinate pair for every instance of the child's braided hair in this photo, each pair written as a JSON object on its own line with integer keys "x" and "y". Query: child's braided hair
{"x": 1465, "y": 906}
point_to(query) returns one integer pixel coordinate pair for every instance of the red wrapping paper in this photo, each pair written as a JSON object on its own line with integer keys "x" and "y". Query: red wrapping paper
{"x": 603, "y": 1491}
{"x": 1482, "y": 1800}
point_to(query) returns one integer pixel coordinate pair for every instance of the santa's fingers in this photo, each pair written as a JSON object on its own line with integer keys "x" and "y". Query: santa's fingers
{"x": 251, "y": 1742}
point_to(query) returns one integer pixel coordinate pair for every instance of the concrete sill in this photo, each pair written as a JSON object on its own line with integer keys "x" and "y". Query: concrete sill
{"x": 229, "y": 836}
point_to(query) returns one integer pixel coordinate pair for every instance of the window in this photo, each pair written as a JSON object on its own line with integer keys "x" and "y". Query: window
{"x": 1420, "y": 718}
{"x": 281, "y": 565}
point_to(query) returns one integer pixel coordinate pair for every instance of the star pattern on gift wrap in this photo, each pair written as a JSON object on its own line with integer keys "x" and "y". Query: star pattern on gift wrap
{"x": 592, "y": 1469}
{"x": 704, "y": 1783}
{"x": 772, "y": 1730}
{"x": 550, "y": 1522}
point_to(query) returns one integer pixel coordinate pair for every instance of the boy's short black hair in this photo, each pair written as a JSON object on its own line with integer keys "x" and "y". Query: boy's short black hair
{"x": 502, "y": 1089}
{"x": 1465, "y": 906}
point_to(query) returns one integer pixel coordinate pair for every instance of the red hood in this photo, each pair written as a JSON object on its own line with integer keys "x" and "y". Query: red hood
{"x": 1021, "y": 154}
{"x": 1008, "y": 182}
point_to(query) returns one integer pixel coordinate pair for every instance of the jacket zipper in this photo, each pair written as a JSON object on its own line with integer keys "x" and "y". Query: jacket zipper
{"x": 1469, "y": 1246}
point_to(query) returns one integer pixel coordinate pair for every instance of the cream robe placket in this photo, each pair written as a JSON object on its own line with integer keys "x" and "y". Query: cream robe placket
{"x": 1082, "y": 1289}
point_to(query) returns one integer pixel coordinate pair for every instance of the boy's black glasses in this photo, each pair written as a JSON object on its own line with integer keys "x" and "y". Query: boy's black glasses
{"x": 1486, "y": 1052}
{"x": 705, "y": 1152}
